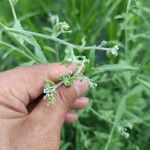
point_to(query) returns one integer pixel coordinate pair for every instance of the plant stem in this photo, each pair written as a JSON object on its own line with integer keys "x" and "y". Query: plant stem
{"x": 79, "y": 70}
{"x": 118, "y": 117}
{"x": 126, "y": 30}
{"x": 16, "y": 49}
{"x": 59, "y": 40}
{"x": 56, "y": 86}
{"x": 13, "y": 11}
{"x": 19, "y": 44}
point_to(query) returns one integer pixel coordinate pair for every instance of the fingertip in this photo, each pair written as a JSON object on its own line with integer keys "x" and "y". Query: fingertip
{"x": 71, "y": 117}
{"x": 72, "y": 68}
{"x": 80, "y": 103}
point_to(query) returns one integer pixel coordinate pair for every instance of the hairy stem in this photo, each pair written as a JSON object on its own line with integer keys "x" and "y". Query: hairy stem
{"x": 16, "y": 49}
{"x": 19, "y": 44}
{"x": 13, "y": 11}
{"x": 59, "y": 40}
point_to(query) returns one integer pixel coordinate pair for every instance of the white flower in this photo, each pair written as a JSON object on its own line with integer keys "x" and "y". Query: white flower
{"x": 54, "y": 19}
{"x": 103, "y": 43}
{"x": 113, "y": 51}
{"x": 123, "y": 130}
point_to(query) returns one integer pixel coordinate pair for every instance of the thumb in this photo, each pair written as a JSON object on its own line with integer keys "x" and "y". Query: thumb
{"x": 55, "y": 114}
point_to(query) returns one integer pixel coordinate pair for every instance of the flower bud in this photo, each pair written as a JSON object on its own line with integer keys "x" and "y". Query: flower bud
{"x": 103, "y": 43}
{"x": 64, "y": 26}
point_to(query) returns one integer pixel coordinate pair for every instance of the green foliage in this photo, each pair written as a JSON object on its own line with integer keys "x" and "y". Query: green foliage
{"x": 122, "y": 93}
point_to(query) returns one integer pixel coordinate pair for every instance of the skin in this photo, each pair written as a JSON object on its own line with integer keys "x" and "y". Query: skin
{"x": 26, "y": 121}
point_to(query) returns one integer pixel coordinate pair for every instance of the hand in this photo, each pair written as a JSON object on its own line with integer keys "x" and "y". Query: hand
{"x": 26, "y": 121}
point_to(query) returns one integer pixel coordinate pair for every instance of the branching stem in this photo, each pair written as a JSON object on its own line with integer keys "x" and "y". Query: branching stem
{"x": 29, "y": 33}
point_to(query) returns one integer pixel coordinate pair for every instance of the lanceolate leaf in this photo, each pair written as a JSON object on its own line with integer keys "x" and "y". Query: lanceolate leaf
{"x": 143, "y": 82}
{"x": 30, "y": 40}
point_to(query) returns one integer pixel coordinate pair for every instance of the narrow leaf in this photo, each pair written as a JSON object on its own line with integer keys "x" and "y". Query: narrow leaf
{"x": 143, "y": 82}
{"x": 30, "y": 40}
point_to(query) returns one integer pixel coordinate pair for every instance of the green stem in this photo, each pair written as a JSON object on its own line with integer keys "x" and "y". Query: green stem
{"x": 60, "y": 40}
{"x": 118, "y": 116}
{"x": 126, "y": 30}
{"x": 79, "y": 70}
{"x": 19, "y": 44}
{"x": 13, "y": 11}
{"x": 56, "y": 86}
{"x": 16, "y": 49}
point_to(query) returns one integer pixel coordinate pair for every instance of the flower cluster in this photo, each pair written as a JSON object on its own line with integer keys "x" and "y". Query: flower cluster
{"x": 57, "y": 26}
{"x": 48, "y": 90}
{"x": 68, "y": 80}
{"x": 113, "y": 51}
{"x": 124, "y": 129}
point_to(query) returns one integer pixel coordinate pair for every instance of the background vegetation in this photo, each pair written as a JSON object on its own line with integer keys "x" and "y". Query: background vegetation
{"x": 119, "y": 106}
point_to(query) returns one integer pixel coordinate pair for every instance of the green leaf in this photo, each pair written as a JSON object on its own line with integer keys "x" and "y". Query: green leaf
{"x": 6, "y": 54}
{"x": 83, "y": 42}
{"x": 70, "y": 56}
{"x": 50, "y": 83}
{"x": 18, "y": 27}
{"x": 1, "y": 34}
{"x": 143, "y": 82}
{"x": 101, "y": 135}
{"x": 91, "y": 64}
{"x": 114, "y": 67}
{"x": 29, "y": 63}
{"x": 30, "y": 40}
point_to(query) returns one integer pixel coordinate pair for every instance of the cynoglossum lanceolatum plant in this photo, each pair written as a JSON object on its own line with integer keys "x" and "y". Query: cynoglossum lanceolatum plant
{"x": 25, "y": 39}
{"x": 122, "y": 91}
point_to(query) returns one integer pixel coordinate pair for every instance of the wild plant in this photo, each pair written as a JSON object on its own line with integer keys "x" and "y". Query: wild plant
{"x": 118, "y": 113}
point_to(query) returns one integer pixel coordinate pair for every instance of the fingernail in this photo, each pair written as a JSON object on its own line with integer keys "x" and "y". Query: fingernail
{"x": 70, "y": 117}
{"x": 72, "y": 68}
{"x": 85, "y": 100}
{"x": 81, "y": 87}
